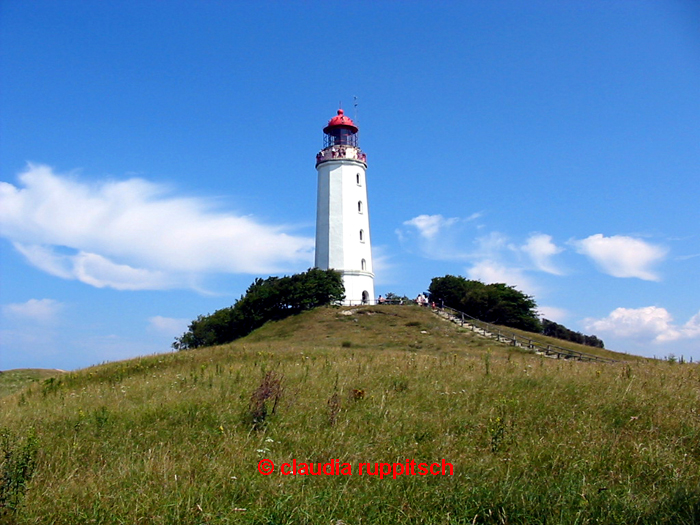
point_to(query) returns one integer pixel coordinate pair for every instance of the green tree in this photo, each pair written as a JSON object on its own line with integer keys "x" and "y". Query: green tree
{"x": 393, "y": 298}
{"x": 452, "y": 290}
{"x": 265, "y": 300}
{"x": 494, "y": 303}
{"x": 559, "y": 331}
{"x": 511, "y": 307}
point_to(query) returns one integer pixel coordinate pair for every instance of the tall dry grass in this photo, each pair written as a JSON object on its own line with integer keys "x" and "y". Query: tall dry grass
{"x": 172, "y": 438}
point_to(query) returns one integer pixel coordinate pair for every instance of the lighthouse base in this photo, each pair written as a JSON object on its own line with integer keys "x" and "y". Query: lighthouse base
{"x": 359, "y": 287}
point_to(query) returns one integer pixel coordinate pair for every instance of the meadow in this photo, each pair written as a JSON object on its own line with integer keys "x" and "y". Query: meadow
{"x": 12, "y": 381}
{"x": 178, "y": 438}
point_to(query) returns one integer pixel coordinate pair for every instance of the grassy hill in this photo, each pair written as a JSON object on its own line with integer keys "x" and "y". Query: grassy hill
{"x": 12, "y": 381}
{"x": 178, "y": 438}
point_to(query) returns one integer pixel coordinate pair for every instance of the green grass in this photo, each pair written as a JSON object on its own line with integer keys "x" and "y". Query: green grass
{"x": 12, "y": 381}
{"x": 170, "y": 439}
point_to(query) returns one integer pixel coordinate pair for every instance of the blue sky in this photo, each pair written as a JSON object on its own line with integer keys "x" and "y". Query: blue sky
{"x": 156, "y": 157}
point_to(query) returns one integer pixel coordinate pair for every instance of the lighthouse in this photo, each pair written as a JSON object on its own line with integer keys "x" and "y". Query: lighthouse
{"x": 342, "y": 213}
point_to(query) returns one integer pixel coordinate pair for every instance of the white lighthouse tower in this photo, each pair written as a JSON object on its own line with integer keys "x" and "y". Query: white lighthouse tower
{"x": 342, "y": 214}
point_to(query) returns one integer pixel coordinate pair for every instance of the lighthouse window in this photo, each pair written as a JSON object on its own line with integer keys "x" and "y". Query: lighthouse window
{"x": 340, "y": 137}
{"x": 358, "y": 179}
{"x": 359, "y": 206}
{"x": 362, "y": 236}
{"x": 363, "y": 264}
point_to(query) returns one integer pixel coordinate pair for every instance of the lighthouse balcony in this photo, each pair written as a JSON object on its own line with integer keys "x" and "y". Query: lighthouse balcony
{"x": 341, "y": 153}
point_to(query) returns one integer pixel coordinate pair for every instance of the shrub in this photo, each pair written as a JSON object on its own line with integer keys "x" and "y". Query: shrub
{"x": 494, "y": 303}
{"x": 265, "y": 300}
{"x": 553, "y": 329}
{"x": 333, "y": 406}
{"x": 17, "y": 462}
{"x": 264, "y": 400}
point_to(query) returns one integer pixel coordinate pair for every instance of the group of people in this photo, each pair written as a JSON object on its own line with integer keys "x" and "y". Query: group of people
{"x": 421, "y": 300}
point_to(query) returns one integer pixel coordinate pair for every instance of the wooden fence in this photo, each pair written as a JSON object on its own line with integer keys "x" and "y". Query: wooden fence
{"x": 503, "y": 335}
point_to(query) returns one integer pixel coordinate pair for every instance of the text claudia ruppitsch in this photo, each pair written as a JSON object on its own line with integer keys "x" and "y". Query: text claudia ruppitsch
{"x": 336, "y": 468}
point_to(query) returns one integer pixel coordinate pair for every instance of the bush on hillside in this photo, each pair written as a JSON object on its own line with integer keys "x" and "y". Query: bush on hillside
{"x": 265, "y": 300}
{"x": 393, "y": 298}
{"x": 17, "y": 464}
{"x": 559, "y": 331}
{"x": 494, "y": 303}
{"x": 500, "y": 304}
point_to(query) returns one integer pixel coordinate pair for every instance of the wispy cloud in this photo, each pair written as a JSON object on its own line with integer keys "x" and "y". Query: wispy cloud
{"x": 135, "y": 235}
{"x": 169, "y": 326}
{"x": 541, "y": 250}
{"x": 41, "y": 311}
{"x": 489, "y": 271}
{"x": 96, "y": 270}
{"x": 622, "y": 256}
{"x": 558, "y": 315}
{"x": 28, "y": 334}
{"x": 433, "y": 237}
{"x": 490, "y": 246}
{"x": 648, "y": 323}
{"x": 383, "y": 265}
{"x": 687, "y": 257}
{"x": 448, "y": 239}
{"x": 429, "y": 226}
{"x": 493, "y": 257}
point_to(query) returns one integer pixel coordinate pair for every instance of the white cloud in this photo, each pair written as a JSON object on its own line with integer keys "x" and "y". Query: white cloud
{"x": 558, "y": 315}
{"x": 133, "y": 234}
{"x": 494, "y": 257}
{"x": 168, "y": 325}
{"x": 622, "y": 256}
{"x": 650, "y": 322}
{"x": 42, "y": 311}
{"x": 429, "y": 226}
{"x": 434, "y": 237}
{"x": 95, "y": 270}
{"x": 541, "y": 249}
{"x": 491, "y": 245}
{"x": 691, "y": 329}
{"x": 28, "y": 335}
{"x": 384, "y": 269}
{"x": 489, "y": 271}
{"x": 447, "y": 239}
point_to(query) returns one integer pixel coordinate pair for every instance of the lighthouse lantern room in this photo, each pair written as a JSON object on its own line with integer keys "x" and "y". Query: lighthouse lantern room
{"x": 342, "y": 214}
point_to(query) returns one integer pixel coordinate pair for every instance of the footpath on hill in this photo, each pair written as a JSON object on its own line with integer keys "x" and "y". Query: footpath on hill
{"x": 508, "y": 337}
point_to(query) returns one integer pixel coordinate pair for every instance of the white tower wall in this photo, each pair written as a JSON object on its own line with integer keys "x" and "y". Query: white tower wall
{"x": 342, "y": 221}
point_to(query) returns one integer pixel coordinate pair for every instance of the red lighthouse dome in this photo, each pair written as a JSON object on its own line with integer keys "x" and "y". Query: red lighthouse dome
{"x": 340, "y": 121}
{"x": 340, "y": 131}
